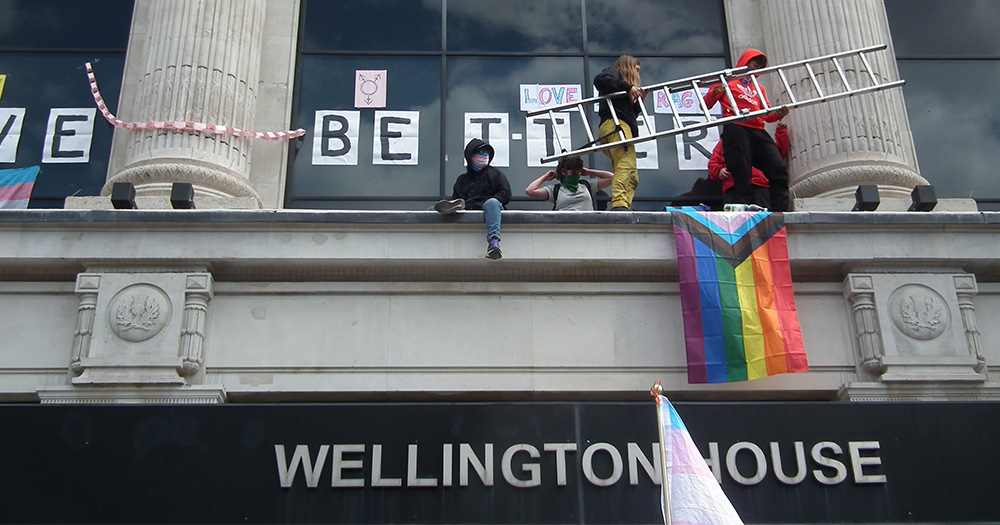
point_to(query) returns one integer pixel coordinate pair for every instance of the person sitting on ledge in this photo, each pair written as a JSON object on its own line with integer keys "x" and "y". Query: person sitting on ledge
{"x": 571, "y": 192}
{"x": 481, "y": 187}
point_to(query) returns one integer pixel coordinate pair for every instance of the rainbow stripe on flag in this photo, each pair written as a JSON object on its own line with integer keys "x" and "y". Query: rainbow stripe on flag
{"x": 16, "y": 186}
{"x": 740, "y": 320}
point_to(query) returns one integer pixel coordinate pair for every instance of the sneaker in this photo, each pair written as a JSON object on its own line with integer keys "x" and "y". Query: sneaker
{"x": 449, "y": 206}
{"x": 620, "y": 208}
{"x": 493, "y": 249}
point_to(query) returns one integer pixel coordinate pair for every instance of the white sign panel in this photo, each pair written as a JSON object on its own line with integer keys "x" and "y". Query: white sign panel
{"x": 695, "y": 147}
{"x": 397, "y": 137}
{"x": 541, "y": 96}
{"x": 493, "y": 129}
{"x": 11, "y": 121}
{"x": 369, "y": 88}
{"x": 68, "y": 135}
{"x": 686, "y": 102}
{"x": 646, "y": 156}
{"x": 541, "y": 141}
{"x": 335, "y": 137}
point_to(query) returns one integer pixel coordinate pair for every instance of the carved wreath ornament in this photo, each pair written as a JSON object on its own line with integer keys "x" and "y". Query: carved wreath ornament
{"x": 919, "y": 312}
{"x": 138, "y": 312}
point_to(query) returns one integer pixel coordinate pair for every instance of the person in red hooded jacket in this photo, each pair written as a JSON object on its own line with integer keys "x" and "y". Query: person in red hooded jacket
{"x": 746, "y": 144}
{"x": 759, "y": 186}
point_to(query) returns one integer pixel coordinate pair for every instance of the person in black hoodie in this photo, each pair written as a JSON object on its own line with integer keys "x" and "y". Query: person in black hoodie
{"x": 624, "y": 76}
{"x": 481, "y": 187}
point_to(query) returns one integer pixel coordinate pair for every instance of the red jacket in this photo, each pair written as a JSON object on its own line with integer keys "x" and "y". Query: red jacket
{"x": 745, "y": 95}
{"x": 757, "y": 178}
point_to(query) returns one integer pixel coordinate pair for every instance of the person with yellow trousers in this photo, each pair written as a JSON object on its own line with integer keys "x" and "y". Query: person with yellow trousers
{"x": 624, "y": 76}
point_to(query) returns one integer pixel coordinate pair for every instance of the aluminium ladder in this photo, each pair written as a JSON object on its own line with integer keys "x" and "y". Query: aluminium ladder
{"x": 817, "y": 96}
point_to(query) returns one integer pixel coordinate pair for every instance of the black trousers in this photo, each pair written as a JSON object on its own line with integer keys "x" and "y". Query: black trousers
{"x": 746, "y": 148}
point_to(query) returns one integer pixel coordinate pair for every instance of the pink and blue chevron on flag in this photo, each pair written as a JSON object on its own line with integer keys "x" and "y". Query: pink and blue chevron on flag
{"x": 15, "y": 187}
{"x": 696, "y": 498}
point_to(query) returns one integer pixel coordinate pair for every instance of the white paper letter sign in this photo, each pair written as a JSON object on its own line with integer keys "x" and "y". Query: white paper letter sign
{"x": 646, "y": 153}
{"x": 541, "y": 137}
{"x": 11, "y": 121}
{"x": 397, "y": 137}
{"x": 493, "y": 129}
{"x": 335, "y": 137}
{"x": 541, "y": 96}
{"x": 68, "y": 135}
{"x": 694, "y": 148}
{"x": 369, "y": 89}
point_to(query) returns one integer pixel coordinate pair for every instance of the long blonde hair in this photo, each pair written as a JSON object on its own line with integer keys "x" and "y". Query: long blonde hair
{"x": 626, "y": 66}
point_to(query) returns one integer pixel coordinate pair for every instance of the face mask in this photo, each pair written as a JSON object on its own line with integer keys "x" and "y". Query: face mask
{"x": 479, "y": 161}
{"x": 570, "y": 182}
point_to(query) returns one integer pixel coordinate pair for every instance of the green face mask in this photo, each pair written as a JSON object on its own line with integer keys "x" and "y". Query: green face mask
{"x": 570, "y": 182}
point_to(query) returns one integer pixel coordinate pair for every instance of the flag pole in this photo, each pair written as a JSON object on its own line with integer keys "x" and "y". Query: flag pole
{"x": 657, "y": 392}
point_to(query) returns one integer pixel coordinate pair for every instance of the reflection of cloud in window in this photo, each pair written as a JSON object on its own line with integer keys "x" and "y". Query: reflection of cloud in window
{"x": 653, "y": 25}
{"x": 492, "y": 85}
{"x": 535, "y": 22}
{"x": 954, "y": 126}
{"x": 936, "y": 28}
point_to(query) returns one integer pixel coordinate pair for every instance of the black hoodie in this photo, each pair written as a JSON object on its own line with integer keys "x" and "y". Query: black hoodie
{"x": 610, "y": 81}
{"x": 476, "y": 187}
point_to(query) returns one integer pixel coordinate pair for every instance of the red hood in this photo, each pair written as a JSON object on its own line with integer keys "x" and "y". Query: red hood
{"x": 749, "y": 55}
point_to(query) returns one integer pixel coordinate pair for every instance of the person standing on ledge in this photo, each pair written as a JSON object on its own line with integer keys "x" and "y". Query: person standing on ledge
{"x": 746, "y": 144}
{"x": 624, "y": 76}
{"x": 481, "y": 187}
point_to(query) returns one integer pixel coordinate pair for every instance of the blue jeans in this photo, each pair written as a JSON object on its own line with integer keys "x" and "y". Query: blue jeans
{"x": 491, "y": 215}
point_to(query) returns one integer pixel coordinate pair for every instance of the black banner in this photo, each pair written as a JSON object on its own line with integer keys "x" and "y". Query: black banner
{"x": 490, "y": 463}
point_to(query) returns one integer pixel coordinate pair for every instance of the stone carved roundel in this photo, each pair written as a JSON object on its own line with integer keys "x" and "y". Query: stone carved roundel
{"x": 919, "y": 312}
{"x": 138, "y": 312}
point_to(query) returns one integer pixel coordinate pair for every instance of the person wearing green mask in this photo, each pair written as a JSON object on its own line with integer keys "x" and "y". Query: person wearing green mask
{"x": 571, "y": 193}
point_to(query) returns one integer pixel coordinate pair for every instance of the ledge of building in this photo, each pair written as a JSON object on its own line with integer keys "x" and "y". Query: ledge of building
{"x": 310, "y": 246}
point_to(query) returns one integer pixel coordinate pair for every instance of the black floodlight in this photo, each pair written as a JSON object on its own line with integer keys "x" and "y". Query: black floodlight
{"x": 182, "y": 196}
{"x": 123, "y": 196}
{"x": 866, "y": 198}
{"x": 923, "y": 198}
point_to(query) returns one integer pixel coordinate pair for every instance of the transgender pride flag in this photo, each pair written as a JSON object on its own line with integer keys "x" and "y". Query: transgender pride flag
{"x": 740, "y": 320}
{"x": 15, "y": 187}
{"x": 695, "y": 495}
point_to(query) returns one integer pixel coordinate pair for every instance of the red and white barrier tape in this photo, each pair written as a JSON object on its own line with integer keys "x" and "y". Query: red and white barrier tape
{"x": 183, "y": 126}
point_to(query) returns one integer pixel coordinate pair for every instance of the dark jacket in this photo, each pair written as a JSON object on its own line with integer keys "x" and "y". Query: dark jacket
{"x": 476, "y": 187}
{"x": 610, "y": 81}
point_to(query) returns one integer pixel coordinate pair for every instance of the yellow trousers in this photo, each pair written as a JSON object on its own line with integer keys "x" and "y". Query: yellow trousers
{"x": 623, "y": 165}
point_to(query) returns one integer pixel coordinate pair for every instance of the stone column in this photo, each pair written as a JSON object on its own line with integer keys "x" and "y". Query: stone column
{"x": 863, "y": 139}
{"x": 201, "y": 62}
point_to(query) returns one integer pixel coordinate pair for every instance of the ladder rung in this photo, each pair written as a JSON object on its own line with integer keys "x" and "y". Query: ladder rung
{"x": 868, "y": 67}
{"x": 555, "y": 130}
{"x": 840, "y": 71}
{"x": 815, "y": 82}
{"x": 788, "y": 87}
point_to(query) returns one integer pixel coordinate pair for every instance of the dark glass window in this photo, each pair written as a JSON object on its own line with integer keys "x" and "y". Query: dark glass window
{"x": 936, "y": 29}
{"x": 531, "y": 26}
{"x": 474, "y": 86}
{"x": 40, "y": 83}
{"x": 634, "y": 27}
{"x": 948, "y": 52}
{"x": 44, "y": 45}
{"x": 327, "y": 83}
{"x": 65, "y": 24}
{"x": 956, "y": 130}
{"x": 371, "y": 25}
{"x": 491, "y": 85}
